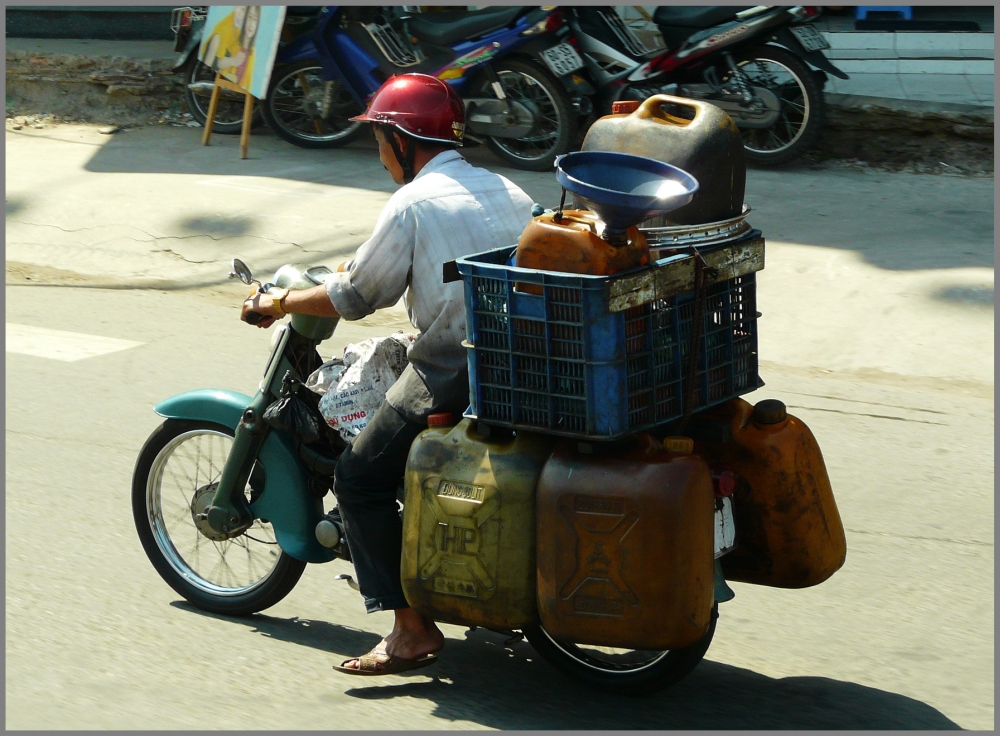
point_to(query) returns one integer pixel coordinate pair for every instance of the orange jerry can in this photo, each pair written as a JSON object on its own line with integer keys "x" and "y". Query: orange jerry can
{"x": 571, "y": 242}
{"x": 788, "y": 529}
{"x": 626, "y": 544}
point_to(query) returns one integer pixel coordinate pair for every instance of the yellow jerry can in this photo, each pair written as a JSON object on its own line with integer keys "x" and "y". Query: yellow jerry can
{"x": 469, "y": 525}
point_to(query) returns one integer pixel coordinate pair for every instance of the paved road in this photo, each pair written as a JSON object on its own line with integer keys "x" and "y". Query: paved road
{"x": 877, "y": 331}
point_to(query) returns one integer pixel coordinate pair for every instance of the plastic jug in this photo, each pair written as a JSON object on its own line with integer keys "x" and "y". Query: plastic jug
{"x": 571, "y": 242}
{"x": 469, "y": 526}
{"x": 626, "y": 545}
{"x": 708, "y": 146}
{"x": 788, "y": 529}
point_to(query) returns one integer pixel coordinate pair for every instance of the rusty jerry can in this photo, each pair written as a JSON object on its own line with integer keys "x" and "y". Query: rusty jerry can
{"x": 571, "y": 241}
{"x": 469, "y": 525}
{"x": 788, "y": 529}
{"x": 708, "y": 146}
{"x": 626, "y": 544}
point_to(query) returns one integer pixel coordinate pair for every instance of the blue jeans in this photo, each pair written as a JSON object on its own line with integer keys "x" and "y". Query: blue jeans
{"x": 365, "y": 482}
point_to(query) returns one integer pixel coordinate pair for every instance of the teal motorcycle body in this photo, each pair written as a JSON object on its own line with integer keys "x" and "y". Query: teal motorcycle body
{"x": 286, "y": 501}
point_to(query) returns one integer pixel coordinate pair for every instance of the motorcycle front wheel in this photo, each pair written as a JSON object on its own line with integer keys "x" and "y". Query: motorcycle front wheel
{"x": 622, "y": 671}
{"x": 800, "y": 96}
{"x": 175, "y": 478}
{"x": 293, "y": 108}
{"x": 555, "y": 120}
{"x": 198, "y": 82}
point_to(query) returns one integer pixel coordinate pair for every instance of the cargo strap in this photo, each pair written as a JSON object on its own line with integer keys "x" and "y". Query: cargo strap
{"x": 702, "y": 271}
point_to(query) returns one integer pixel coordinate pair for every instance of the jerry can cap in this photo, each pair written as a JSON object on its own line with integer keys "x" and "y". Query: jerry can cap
{"x": 443, "y": 419}
{"x": 680, "y": 445}
{"x": 769, "y": 411}
{"x": 624, "y": 107}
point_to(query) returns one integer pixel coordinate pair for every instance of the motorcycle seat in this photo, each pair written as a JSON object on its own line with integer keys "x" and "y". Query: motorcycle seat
{"x": 695, "y": 16}
{"x": 303, "y": 11}
{"x": 445, "y": 29}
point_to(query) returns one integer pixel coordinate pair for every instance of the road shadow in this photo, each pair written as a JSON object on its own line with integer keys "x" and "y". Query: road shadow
{"x": 217, "y": 225}
{"x": 968, "y": 296}
{"x": 509, "y": 687}
{"x": 898, "y": 222}
{"x": 14, "y": 205}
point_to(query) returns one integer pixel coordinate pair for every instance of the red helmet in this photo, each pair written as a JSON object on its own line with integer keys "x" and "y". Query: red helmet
{"x": 419, "y": 105}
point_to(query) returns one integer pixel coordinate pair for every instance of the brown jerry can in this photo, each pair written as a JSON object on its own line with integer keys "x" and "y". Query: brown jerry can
{"x": 788, "y": 530}
{"x": 570, "y": 243}
{"x": 709, "y": 147}
{"x": 469, "y": 526}
{"x": 626, "y": 545}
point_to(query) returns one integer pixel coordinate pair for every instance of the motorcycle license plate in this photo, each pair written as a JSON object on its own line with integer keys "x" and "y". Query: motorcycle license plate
{"x": 810, "y": 38}
{"x": 562, "y": 59}
{"x": 725, "y": 529}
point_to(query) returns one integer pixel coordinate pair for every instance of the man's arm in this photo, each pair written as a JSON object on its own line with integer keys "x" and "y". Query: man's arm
{"x": 314, "y": 301}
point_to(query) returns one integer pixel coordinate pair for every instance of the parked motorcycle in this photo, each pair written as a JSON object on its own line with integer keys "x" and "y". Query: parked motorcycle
{"x": 227, "y": 499}
{"x": 509, "y": 64}
{"x": 188, "y": 25}
{"x": 763, "y": 65}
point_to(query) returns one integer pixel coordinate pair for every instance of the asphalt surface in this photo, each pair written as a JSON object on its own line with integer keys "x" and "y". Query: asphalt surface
{"x": 877, "y": 331}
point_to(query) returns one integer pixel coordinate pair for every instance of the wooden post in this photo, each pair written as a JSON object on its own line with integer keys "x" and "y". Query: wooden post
{"x": 213, "y": 105}
{"x": 247, "y": 122}
{"x": 221, "y": 84}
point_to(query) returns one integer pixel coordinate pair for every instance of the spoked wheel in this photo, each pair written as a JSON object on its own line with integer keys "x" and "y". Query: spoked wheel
{"x": 623, "y": 671}
{"x": 174, "y": 481}
{"x": 199, "y": 79}
{"x": 296, "y": 102}
{"x": 801, "y": 106}
{"x": 555, "y": 120}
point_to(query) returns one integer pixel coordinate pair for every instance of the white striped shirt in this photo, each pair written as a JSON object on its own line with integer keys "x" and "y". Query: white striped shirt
{"x": 450, "y": 209}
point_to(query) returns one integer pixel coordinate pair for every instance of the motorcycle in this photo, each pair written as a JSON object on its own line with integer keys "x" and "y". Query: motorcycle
{"x": 509, "y": 64}
{"x": 763, "y": 65}
{"x": 227, "y": 499}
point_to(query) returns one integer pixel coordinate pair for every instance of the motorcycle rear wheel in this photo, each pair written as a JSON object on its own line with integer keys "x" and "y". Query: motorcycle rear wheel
{"x": 228, "y": 114}
{"x": 554, "y": 132}
{"x": 290, "y": 108}
{"x": 177, "y": 469}
{"x": 626, "y": 672}
{"x": 802, "y": 106}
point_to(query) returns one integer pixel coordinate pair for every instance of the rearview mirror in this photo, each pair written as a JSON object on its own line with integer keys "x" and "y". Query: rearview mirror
{"x": 242, "y": 272}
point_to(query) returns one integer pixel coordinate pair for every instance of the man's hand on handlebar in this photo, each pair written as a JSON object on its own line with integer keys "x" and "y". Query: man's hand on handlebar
{"x": 260, "y": 304}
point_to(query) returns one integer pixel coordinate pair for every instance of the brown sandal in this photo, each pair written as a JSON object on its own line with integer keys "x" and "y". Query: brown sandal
{"x": 375, "y": 663}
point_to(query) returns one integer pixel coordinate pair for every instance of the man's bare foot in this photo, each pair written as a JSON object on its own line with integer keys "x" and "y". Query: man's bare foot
{"x": 413, "y": 635}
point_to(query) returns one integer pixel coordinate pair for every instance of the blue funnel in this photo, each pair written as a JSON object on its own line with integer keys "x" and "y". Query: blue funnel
{"x": 623, "y": 189}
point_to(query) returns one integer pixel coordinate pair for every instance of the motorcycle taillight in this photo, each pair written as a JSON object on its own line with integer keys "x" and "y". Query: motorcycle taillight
{"x": 186, "y": 18}
{"x": 810, "y": 11}
{"x": 555, "y": 21}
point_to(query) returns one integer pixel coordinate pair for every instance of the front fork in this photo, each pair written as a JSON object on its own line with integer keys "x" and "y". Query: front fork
{"x": 230, "y": 511}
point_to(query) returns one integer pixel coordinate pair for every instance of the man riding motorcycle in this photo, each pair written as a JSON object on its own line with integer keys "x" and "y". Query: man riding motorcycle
{"x": 447, "y": 208}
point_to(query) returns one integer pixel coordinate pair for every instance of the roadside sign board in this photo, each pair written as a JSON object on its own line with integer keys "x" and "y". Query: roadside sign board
{"x": 241, "y": 42}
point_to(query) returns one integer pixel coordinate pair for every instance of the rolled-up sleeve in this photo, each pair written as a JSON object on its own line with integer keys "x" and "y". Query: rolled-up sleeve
{"x": 380, "y": 272}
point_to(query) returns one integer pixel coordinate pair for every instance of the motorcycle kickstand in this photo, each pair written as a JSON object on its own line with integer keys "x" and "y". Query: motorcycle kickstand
{"x": 350, "y": 581}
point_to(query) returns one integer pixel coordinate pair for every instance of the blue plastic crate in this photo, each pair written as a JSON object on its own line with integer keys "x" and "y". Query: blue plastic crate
{"x": 563, "y": 363}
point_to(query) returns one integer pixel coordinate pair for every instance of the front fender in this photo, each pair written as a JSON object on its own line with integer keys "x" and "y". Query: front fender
{"x": 190, "y": 49}
{"x": 286, "y": 502}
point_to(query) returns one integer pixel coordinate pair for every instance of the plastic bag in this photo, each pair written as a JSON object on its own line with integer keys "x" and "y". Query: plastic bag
{"x": 326, "y": 376}
{"x": 292, "y": 414}
{"x": 369, "y": 369}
